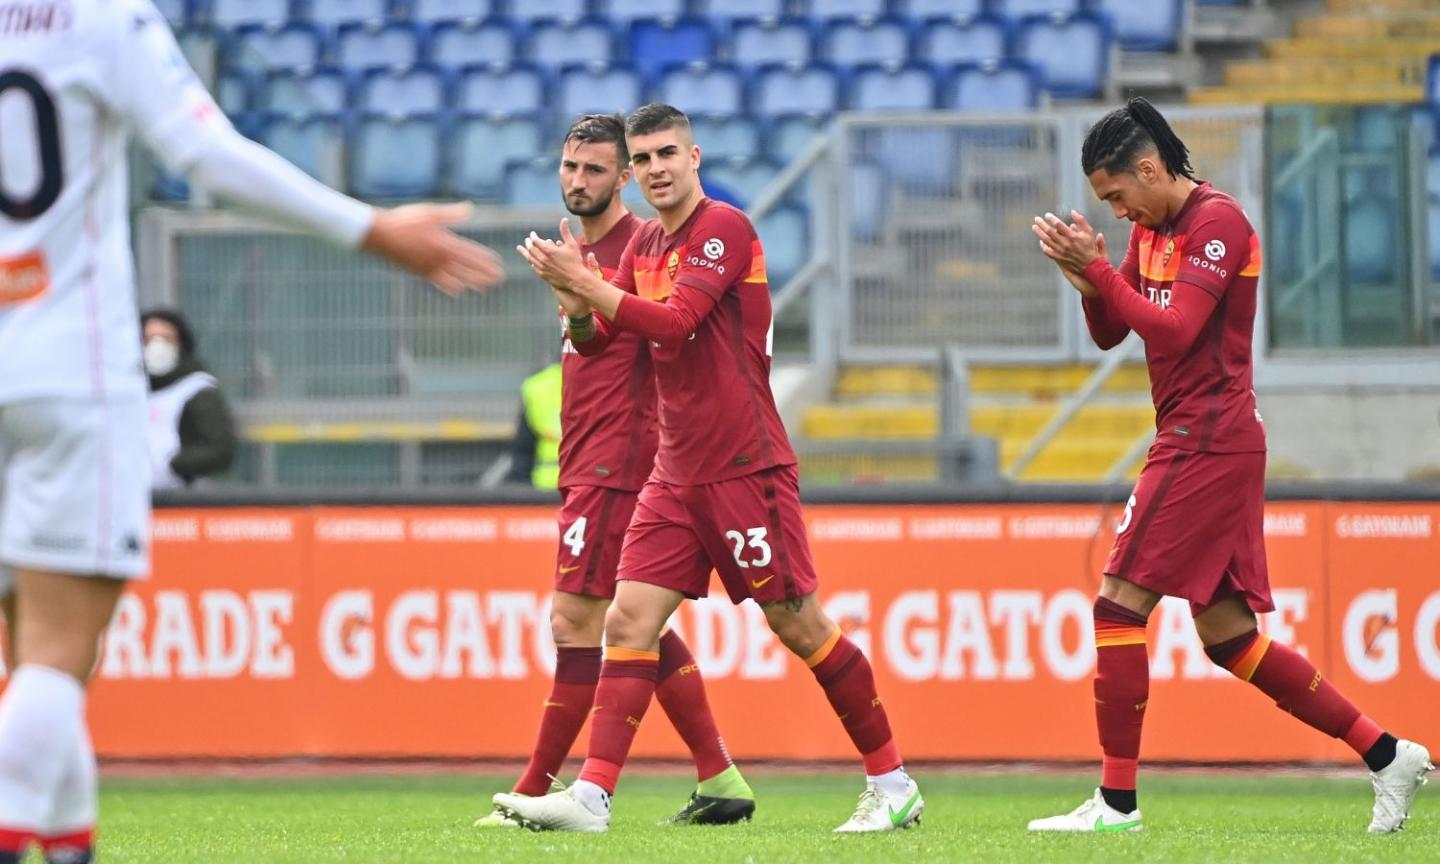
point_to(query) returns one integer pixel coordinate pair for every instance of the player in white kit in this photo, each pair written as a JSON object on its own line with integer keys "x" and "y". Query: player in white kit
{"x": 76, "y": 78}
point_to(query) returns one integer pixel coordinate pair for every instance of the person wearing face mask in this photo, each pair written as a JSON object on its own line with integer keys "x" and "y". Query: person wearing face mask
{"x": 191, "y": 431}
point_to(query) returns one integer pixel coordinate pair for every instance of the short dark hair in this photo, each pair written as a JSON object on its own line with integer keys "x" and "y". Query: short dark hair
{"x": 656, "y": 117}
{"x": 176, "y": 320}
{"x": 1121, "y": 136}
{"x": 600, "y": 129}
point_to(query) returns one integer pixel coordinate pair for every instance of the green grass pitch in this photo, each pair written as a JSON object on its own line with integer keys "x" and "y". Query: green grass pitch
{"x": 1236, "y": 816}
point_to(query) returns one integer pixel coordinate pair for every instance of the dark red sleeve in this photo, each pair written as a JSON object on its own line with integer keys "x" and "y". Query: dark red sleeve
{"x": 624, "y": 279}
{"x": 1105, "y": 327}
{"x": 1217, "y": 248}
{"x": 667, "y": 323}
{"x": 597, "y": 343}
{"x": 1168, "y": 329}
{"x": 719, "y": 252}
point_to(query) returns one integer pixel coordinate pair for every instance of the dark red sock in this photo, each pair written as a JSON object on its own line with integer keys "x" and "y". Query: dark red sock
{"x": 577, "y": 670}
{"x": 627, "y": 681}
{"x": 1297, "y": 686}
{"x": 1122, "y": 690}
{"x": 77, "y": 847}
{"x": 681, "y": 691}
{"x": 849, "y": 683}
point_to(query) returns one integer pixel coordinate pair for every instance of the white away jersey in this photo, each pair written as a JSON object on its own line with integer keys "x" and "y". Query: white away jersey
{"x": 76, "y": 76}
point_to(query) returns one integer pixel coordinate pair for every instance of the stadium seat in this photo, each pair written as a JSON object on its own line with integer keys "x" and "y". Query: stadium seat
{"x": 303, "y": 93}
{"x": 855, "y": 43}
{"x": 529, "y": 11}
{"x": 723, "y": 136}
{"x": 893, "y": 88}
{"x": 311, "y": 143}
{"x": 480, "y": 148}
{"x": 395, "y": 157}
{"x": 1432, "y": 80}
{"x": 552, "y": 44}
{"x": 333, "y": 13}
{"x": 229, "y": 14}
{"x": 830, "y": 10}
{"x": 795, "y": 89}
{"x": 499, "y": 89}
{"x": 1015, "y": 10}
{"x": 657, "y": 44}
{"x": 1371, "y": 230}
{"x": 760, "y": 42}
{"x": 787, "y": 137}
{"x": 623, "y": 12}
{"x": 175, "y": 11}
{"x": 1432, "y": 175}
{"x": 465, "y": 43}
{"x": 867, "y": 200}
{"x": 404, "y": 90}
{"x": 364, "y": 46}
{"x": 785, "y": 236}
{"x": 1072, "y": 54}
{"x": 747, "y": 178}
{"x": 435, "y": 11}
{"x": 264, "y": 47}
{"x": 234, "y": 91}
{"x": 1434, "y": 218}
{"x": 918, "y": 10}
{"x": 596, "y": 88}
{"x": 725, "y": 12}
{"x": 992, "y": 88}
{"x": 701, "y": 87}
{"x": 533, "y": 183}
{"x": 919, "y": 159}
{"x": 953, "y": 41}
{"x": 1150, "y": 26}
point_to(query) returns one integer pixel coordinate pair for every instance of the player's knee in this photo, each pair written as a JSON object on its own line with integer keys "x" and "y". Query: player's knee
{"x": 576, "y": 628}
{"x": 799, "y": 624}
{"x": 626, "y": 627}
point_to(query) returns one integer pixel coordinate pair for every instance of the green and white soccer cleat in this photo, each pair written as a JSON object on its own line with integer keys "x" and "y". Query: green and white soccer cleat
{"x": 879, "y": 811}
{"x": 1396, "y": 785}
{"x": 1093, "y": 815}
{"x": 498, "y": 818}
{"x": 558, "y": 811}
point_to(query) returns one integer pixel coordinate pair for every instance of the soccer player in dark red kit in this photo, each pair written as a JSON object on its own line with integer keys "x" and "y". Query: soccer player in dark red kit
{"x": 1194, "y": 527}
{"x": 725, "y": 491}
{"x": 607, "y": 448}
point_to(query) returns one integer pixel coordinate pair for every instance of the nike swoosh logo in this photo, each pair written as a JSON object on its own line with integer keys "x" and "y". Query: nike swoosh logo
{"x": 569, "y": 569}
{"x": 1118, "y": 826}
{"x": 549, "y": 704}
{"x": 897, "y": 817}
{"x": 760, "y": 583}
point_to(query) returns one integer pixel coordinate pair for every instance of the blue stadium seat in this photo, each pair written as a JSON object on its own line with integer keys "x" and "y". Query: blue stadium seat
{"x": 785, "y": 237}
{"x": 1371, "y": 230}
{"x": 725, "y": 12}
{"x": 747, "y": 178}
{"x": 175, "y": 11}
{"x": 530, "y": 11}
{"x": 533, "y": 183}
{"x": 480, "y": 148}
{"x": 917, "y": 10}
{"x": 468, "y": 42}
{"x": 553, "y": 44}
{"x": 395, "y": 157}
{"x": 403, "y": 90}
{"x": 760, "y": 42}
{"x": 1014, "y": 10}
{"x": 235, "y": 91}
{"x": 829, "y": 10}
{"x": 795, "y": 89}
{"x": 919, "y": 159}
{"x": 787, "y": 137}
{"x": 868, "y": 200}
{"x": 299, "y": 94}
{"x": 333, "y": 13}
{"x": 499, "y": 89}
{"x": 623, "y": 12}
{"x": 854, "y": 43}
{"x": 893, "y": 88}
{"x": 596, "y": 88}
{"x": 723, "y": 136}
{"x": 992, "y": 88}
{"x": 1072, "y": 54}
{"x": 228, "y": 14}
{"x": 435, "y": 11}
{"x": 1432, "y": 176}
{"x": 1432, "y": 80}
{"x": 657, "y": 44}
{"x": 363, "y": 46}
{"x": 1150, "y": 26}
{"x": 263, "y": 47}
{"x": 308, "y": 142}
{"x": 1434, "y": 214}
{"x": 702, "y": 87}
{"x": 953, "y": 41}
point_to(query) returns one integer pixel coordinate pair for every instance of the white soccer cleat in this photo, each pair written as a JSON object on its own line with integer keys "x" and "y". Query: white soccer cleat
{"x": 878, "y": 811}
{"x": 1093, "y": 815}
{"x": 558, "y": 811}
{"x": 498, "y": 818}
{"x": 1396, "y": 785}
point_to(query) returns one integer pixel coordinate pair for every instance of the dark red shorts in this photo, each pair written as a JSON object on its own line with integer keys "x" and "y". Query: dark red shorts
{"x": 592, "y": 528}
{"x": 750, "y": 530}
{"x": 1195, "y": 528}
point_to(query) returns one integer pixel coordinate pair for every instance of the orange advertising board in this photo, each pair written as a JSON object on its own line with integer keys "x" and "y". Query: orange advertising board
{"x": 423, "y": 631}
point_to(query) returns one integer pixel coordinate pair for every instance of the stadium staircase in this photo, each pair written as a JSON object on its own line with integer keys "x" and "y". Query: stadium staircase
{"x": 1351, "y": 51}
{"x": 1010, "y": 404}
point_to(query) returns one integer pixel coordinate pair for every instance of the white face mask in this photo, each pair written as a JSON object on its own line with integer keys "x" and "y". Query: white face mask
{"x": 161, "y": 357}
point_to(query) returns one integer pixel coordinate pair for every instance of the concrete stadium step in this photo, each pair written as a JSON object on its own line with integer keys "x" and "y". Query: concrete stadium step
{"x": 1086, "y": 460}
{"x": 1322, "y": 93}
{"x": 1410, "y": 71}
{"x": 1333, "y": 50}
{"x": 1034, "y": 381}
{"x": 1400, "y": 25}
{"x": 1372, "y": 6}
{"x": 831, "y": 422}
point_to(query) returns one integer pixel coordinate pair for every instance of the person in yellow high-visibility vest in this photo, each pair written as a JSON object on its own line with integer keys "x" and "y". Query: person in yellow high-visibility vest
{"x": 535, "y": 453}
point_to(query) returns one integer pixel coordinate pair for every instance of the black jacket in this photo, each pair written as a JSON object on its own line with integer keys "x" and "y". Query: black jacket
{"x": 207, "y": 429}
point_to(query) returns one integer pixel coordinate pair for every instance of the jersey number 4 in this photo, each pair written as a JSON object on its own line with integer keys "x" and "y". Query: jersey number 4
{"x": 47, "y": 129}
{"x": 575, "y": 537}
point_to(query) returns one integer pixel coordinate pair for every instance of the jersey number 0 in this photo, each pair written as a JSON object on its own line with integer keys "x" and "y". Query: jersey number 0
{"x": 47, "y": 127}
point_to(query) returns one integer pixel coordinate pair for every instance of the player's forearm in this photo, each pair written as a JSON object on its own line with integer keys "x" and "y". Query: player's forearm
{"x": 589, "y": 335}
{"x": 1169, "y": 328}
{"x": 1106, "y": 330}
{"x": 667, "y": 323}
{"x": 601, "y": 295}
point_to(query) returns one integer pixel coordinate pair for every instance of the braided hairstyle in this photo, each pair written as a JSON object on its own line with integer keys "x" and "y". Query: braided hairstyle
{"x": 1118, "y": 139}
